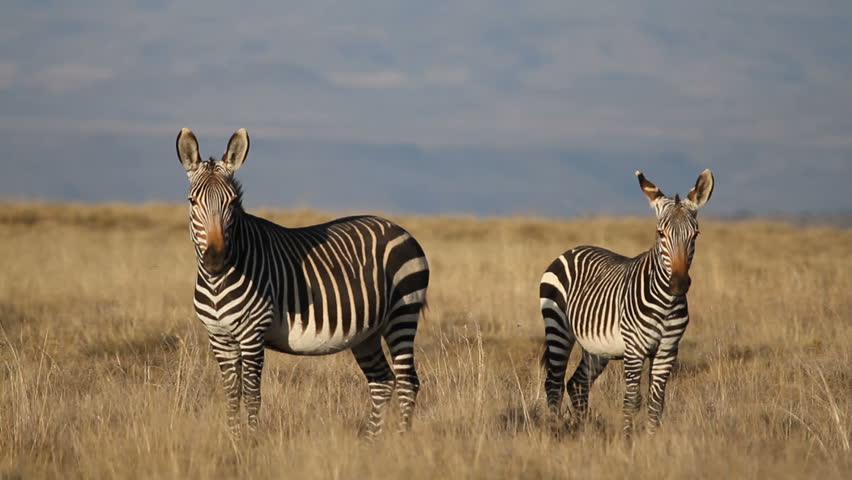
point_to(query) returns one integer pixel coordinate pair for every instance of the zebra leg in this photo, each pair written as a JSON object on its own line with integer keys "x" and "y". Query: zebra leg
{"x": 559, "y": 340}
{"x": 590, "y": 368}
{"x": 632, "y": 397}
{"x": 226, "y": 351}
{"x": 399, "y": 335}
{"x": 252, "y": 356}
{"x": 380, "y": 379}
{"x": 661, "y": 368}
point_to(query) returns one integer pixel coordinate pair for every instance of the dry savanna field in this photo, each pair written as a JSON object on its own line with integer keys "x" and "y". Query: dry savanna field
{"x": 105, "y": 372}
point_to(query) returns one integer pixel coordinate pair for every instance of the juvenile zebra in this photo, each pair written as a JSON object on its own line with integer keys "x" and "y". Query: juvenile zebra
{"x": 622, "y": 308}
{"x": 317, "y": 290}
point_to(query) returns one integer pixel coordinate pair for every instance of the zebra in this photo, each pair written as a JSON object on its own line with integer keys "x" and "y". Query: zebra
{"x": 622, "y": 308}
{"x": 317, "y": 290}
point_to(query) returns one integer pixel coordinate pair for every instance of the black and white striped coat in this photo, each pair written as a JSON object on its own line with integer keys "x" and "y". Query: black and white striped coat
{"x": 617, "y": 307}
{"x": 316, "y": 290}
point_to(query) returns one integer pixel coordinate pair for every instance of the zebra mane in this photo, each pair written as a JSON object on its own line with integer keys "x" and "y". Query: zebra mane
{"x": 677, "y": 198}
{"x": 238, "y": 187}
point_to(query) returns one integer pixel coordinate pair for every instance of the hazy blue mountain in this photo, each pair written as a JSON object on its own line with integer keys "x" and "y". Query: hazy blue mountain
{"x": 405, "y": 178}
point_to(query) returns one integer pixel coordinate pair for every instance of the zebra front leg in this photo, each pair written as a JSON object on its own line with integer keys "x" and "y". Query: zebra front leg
{"x": 252, "y": 359}
{"x": 661, "y": 368}
{"x": 226, "y": 351}
{"x": 380, "y": 380}
{"x": 590, "y": 368}
{"x": 632, "y": 396}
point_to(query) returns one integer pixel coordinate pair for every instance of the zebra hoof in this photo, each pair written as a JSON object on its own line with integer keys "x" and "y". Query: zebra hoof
{"x": 369, "y": 435}
{"x": 368, "y": 438}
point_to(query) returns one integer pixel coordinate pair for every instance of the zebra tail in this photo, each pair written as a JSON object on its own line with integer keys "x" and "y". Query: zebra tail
{"x": 424, "y": 306}
{"x": 543, "y": 361}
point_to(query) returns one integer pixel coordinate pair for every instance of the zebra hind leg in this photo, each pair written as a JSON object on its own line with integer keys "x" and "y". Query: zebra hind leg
{"x": 559, "y": 341}
{"x": 399, "y": 335}
{"x": 589, "y": 369}
{"x": 380, "y": 380}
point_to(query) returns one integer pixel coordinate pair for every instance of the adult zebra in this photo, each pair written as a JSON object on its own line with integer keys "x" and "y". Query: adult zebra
{"x": 619, "y": 307}
{"x": 317, "y": 290}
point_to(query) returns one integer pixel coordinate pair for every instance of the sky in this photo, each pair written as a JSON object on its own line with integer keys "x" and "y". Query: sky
{"x": 465, "y": 106}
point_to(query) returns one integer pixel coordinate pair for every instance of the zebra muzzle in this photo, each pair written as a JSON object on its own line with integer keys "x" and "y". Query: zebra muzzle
{"x": 679, "y": 284}
{"x": 214, "y": 256}
{"x": 214, "y": 260}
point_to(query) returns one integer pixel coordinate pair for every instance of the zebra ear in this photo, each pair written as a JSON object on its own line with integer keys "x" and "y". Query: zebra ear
{"x": 702, "y": 190}
{"x": 649, "y": 189}
{"x": 187, "y": 150}
{"x": 238, "y": 147}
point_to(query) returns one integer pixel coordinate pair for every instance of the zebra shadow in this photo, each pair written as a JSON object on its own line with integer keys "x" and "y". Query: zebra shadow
{"x": 520, "y": 420}
{"x": 516, "y": 420}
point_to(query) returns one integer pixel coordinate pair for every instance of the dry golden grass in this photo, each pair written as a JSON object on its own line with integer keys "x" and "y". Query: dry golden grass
{"x": 105, "y": 372}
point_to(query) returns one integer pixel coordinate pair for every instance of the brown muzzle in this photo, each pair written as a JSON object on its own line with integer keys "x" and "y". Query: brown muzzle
{"x": 214, "y": 257}
{"x": 679, "y": 282}
{"x": 214, "y": 260}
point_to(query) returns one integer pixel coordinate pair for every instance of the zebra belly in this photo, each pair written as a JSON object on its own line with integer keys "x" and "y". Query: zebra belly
{"x": 297, "y": 341}
{"x": 608, "y": 345}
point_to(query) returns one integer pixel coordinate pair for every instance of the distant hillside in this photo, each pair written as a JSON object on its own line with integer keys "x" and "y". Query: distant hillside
{"x": 412, "y": 179}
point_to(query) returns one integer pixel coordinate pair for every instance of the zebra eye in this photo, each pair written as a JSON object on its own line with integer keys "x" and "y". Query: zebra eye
{"x": 660, "y": 234}
{"x": 192, "y": 201}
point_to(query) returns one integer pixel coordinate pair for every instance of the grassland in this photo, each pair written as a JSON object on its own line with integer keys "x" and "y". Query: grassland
{"x": 105, "y": 372}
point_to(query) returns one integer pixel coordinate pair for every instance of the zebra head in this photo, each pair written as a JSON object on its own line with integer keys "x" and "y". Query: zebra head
{"x": 677, "y": 228}
{"x": 214, "y": 196}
